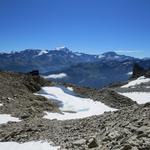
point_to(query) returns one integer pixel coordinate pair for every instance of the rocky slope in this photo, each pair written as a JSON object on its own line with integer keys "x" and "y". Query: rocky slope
{"x": 16, "y": 95}
{"x": 128, "y": 128}
{"x": 122, "y": 130}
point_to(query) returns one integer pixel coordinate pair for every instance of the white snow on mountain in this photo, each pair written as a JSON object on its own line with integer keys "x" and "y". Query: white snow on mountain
{"x": 78, "y": 54}
{"x": 1, "y": 104}
{"x": 71, "y": 105}
{"x": 116, "y": 57}
{"x": 139, "y": 97}
{"x": 100, "y": 56}
{"x": 55, "y": 76}
{"x": 32, "y": 145}
{"x": 129, "y": 73}
{"x": 4, "y": 118}
{"x": 60, "y": 48}
{"x": 70, "y": 88}
{"x": 42, "y": 52}
{"x": 138, "y": 81}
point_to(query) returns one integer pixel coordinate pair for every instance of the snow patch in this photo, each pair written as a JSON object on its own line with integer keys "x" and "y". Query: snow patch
{"x": 1, "y": 104}
{"x": 129, "y": 73}
{"x": 60, "y": 48}
{"x": 138, "y": 81}
{"x": 78, "y": 54}
{"x": 72, "y": 106}
{"x": 4, "y": 118}
{"x": 27, "y": 146}
{"x": 70, "y": 88}
{"x": 42, "y": 52}
{"x": 55, "y": 76}
{"x": 139, "y": 97}
{"x": 100, "y": 56}
{"x": 116, "y": 57}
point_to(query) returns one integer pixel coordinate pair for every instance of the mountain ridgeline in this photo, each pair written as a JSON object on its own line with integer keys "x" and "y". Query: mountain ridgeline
{"x": 81, "y": 69}
{"x": 43, "y": 60}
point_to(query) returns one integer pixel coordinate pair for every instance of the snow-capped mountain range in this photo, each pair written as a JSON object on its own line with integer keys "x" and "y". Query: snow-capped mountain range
{"x": 80, "y": 68}
{"x": 51, "y": 60}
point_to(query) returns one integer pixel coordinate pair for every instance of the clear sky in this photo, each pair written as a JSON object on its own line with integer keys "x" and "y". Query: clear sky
{"x": 91, "y": 26}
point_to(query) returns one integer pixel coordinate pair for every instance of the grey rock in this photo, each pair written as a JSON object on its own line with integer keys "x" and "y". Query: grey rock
{"x": 127, "y": 147}
{"x": 143, "y": 129}
{"x": 92, "y": 143}
{"x": 114, "y": 134}
{"x": 134, "y": 148}
{"x": 79, "y": 142}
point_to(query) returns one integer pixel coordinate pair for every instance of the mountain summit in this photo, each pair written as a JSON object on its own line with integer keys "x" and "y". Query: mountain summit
{"x": 62, "y": 48}
{"x": 110, "y": 54}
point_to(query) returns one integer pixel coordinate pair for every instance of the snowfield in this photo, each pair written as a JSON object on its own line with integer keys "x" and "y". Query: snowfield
{"x": 1, "y": 104}
{"x": 56, "y": 76}
{"x": 71, "y": 105}
{"x": 138, "y": 81}
{"x": 4, "y": 118}
{"x": 139, "y": 97}
{"x": 27, "y": 146}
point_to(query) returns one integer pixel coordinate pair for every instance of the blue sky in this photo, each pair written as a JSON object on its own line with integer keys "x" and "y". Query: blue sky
{"x": 90, "y": 26}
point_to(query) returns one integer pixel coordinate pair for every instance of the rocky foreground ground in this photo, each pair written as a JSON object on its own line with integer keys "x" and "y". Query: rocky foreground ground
{"x": 125, "y": 129}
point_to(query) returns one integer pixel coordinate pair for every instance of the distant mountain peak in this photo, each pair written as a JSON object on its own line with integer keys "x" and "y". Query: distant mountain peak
{"x": 114, "y": 56}
{"x": 110, "y": 54}
{"x": 61, "y": 48}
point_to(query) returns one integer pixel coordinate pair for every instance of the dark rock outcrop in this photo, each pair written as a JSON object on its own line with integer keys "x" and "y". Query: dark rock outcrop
{"x": 34, "y": 72}
{"x": 140, "y": 71}
{"x": 137, "y": 71}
